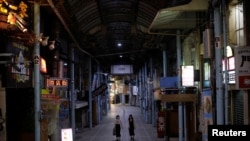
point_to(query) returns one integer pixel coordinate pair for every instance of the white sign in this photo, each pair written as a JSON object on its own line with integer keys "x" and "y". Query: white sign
{"x": 187, "y": 75}
{"x": 242, "y": 67}
{"x": 135, "y": 90}
{"x": 67, "y": 134}
{"x": 121, "y": 69}
{"x": 242, "y": 60}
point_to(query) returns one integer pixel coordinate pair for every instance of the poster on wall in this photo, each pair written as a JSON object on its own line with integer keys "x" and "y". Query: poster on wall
{"x": 207, "y": 108}
{"x": 242, "y": 67}
{"x": 18, "y": 67}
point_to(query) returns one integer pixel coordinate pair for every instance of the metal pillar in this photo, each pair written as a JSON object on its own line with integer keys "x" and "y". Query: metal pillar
{"x": 150, "y": 92}
{"x": 140, "y": 90}
{"x": 146, "y": 92}
{"x": 164, "y": 62}
{"x": 154, "y": 116}
{"x": 225, "y": 58}
{"x": 130, "y": 94}
{"x": 180, "y": 105}
{"x": 37, "y": 102}
{"x": 164, "y": 55}
{"x": 137, "y": 100}
{"x": 72, "y": 91}
{"x": 218, "y": 67}
{"x": 99, "y": 113}
{"x": 90, "y": 94}
{"x": 122, "y": 95}
{"x": 107, "y": 97}
{"x": 108, "y": 90}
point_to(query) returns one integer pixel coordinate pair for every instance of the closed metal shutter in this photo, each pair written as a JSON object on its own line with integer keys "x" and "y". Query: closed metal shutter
{"x": 238, "y": 108}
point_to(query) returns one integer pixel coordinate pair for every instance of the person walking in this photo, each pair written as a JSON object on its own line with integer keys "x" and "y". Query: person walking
{"x": 118, "y": 127}
{"x": 131, "y": 126}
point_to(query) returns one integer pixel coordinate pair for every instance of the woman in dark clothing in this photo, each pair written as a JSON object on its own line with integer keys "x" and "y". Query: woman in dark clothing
{"x": 118, "y": 127}
{"x": 131, "y": 126}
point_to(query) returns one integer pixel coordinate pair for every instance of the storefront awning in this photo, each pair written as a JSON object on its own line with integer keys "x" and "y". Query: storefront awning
{"x": 178, "y": 17}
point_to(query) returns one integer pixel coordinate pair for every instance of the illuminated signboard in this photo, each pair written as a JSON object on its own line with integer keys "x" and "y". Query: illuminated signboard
{"x": 43, "y": 67}
{"x": 187, "y": 75}
{"x": 67, "y": 134}
{"x": 230, "y": 64}
{"x": 121, "y": 69}
{"x": 57, "y": 82}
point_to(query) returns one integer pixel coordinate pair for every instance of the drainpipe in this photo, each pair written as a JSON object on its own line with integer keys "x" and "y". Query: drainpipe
{"x": 37, "y": 81}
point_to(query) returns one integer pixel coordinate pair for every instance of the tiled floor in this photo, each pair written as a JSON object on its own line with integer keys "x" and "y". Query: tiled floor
{"x": 103, "y": 131}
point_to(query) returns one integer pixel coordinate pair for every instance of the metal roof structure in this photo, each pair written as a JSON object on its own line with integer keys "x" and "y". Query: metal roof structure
{"x": 142, "y": 27}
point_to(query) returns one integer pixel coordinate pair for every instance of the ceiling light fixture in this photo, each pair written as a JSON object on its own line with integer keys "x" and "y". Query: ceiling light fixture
{"x": 43, "y": 40}
{"x": 52, "y": 45}
{"x": 119, "y": 44}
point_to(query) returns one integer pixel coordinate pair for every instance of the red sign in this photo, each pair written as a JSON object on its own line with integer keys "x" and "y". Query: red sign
{"x": 57, "y": 82}
{"x": 244, "y": 81}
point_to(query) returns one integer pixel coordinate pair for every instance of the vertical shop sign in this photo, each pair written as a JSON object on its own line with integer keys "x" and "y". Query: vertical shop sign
{"x": 242, "y": 67}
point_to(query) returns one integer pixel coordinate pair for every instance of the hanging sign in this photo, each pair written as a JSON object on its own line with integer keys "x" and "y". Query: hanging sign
{"x": 100, "y": 89}
{"x": 57, "y": 82}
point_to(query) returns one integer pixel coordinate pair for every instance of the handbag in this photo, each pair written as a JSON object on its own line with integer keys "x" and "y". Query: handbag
{"x": 114, "y": 132}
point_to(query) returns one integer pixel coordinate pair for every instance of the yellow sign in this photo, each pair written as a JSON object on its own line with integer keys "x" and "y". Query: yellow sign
{"x": 57, "y": 82}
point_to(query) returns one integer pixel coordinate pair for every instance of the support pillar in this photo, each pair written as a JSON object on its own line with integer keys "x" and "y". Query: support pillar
{"x": 37, "y": 82}
{"x": 218, "y": 67}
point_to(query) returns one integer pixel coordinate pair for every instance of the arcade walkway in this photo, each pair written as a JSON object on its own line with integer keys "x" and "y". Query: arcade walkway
{"x": 103, "y": 131}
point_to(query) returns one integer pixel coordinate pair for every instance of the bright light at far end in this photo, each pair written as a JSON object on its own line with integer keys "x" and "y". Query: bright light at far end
{"x": 119, "y": 44}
